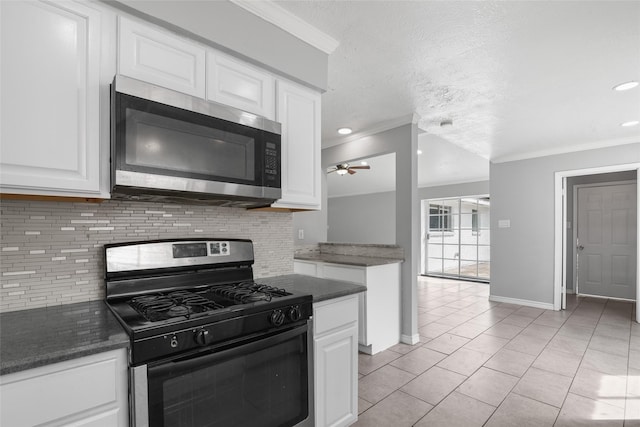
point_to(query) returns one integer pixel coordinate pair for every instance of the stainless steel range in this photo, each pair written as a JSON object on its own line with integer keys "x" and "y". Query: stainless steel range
{"x": 209, "y": 345}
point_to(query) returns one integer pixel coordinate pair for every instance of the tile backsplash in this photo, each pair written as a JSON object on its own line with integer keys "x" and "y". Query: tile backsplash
{"x": 51, "y": 253}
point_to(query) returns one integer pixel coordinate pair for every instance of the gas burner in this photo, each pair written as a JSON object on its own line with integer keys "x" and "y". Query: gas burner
{"x": 246, "y": 292}
{"x": 157, "y": 307}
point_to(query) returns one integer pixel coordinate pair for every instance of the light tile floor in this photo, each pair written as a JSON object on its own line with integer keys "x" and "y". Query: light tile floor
{"x": 494, "y": 364}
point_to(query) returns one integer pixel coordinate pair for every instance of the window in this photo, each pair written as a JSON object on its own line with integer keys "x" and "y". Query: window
{"x": 439, "y": 218}
{"x": 475, "y": 221}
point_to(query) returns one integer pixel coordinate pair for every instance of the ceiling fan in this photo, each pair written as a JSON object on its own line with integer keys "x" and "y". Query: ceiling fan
{"x": 344, "y": 168}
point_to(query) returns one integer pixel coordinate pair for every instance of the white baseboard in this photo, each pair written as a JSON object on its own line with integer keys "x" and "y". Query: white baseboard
{"x": 410, "y": 339}
{"x": 525, "y": 302}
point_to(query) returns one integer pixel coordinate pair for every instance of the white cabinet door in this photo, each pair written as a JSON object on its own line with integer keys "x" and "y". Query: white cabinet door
{"x": 240, "y": 85}
{"x": 88, "y": 391}
{"x": 298, "y": 109}
{"x": 336, "y": 361}
{"x": 50, "y": 104}
{"x": 156, "y": 56}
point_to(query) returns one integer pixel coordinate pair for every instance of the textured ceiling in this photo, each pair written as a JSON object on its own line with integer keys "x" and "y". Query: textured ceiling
{"x": 441, "y": 163}
{"x": 518, "y": 79}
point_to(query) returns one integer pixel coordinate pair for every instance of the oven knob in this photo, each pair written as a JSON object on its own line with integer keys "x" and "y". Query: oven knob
{"x": 201, "y": 336}
{"x": 277, "y": 317}
{"x": 294, "y": 313}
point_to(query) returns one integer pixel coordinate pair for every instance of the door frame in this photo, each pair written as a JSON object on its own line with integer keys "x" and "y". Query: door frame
{"x": 560, "y": 230}
{"x": 574, "y": 228}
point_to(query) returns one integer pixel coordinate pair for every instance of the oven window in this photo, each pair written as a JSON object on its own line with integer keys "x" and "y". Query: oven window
{"x": 259, "y": 387}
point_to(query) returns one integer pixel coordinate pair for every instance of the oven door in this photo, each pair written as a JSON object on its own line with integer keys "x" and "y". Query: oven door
{"x": 261, "y": 383}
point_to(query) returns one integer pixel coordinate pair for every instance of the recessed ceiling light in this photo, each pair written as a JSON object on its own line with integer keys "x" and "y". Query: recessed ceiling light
{"x": 345, "y": 131}
{"x": 630, "y": 123}
{"x": 363, "y": 163}
{"x": 625, "y": 86}
{"x": 419, "y": 151}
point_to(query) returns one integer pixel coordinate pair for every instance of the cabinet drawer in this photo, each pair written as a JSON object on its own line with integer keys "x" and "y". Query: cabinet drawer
{"x": 335, "y": 313}
{"x": 60, "y": 392}
{"x": 350, "y": 274}
{"x": 306, "y": 268}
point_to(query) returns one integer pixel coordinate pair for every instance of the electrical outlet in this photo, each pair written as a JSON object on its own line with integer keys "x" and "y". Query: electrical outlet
{"x": 301, "y": 234}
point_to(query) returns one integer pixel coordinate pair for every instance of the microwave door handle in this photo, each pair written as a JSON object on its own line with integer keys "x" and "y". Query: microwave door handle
{"x": 208, "y": 359}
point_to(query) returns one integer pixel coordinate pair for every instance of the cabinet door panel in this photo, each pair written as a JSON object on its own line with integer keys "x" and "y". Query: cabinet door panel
{"x": 240, "y": 85}
{"x": 59, "y": 394}
{"x": 50, "y": 96}
{"x": 160, "y": 58}
{"x": 336, "y": 367}
{"x": 298, "y": 110}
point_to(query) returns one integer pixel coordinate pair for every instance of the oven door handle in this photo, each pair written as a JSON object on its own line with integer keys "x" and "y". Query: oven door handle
{"x": 207, "y": 359}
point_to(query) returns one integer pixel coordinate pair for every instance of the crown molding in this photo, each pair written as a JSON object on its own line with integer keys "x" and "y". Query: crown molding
{"x": 566, "y": 149}
{"x": 282, "y": 18}
{"x": 412, "y": 118}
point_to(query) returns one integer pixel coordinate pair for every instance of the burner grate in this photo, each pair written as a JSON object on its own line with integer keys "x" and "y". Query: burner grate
{"x": 249, "y": 291}
{"x": 156, "y": 307}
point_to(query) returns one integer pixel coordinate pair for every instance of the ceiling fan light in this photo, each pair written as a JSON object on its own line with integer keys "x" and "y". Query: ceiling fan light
{"x": 625, "y": 86}
{"x": 341, "y": 171}
{"x": 345, "y": 131}
{"x": 630, "y": 123}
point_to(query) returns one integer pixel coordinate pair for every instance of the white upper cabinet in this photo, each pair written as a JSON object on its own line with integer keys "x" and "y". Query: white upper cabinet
{"x": 240, "y": 85}
{"x": 298, "y": 109}
{"x": 51, "y": 99}
{"x": 156, "y": 56}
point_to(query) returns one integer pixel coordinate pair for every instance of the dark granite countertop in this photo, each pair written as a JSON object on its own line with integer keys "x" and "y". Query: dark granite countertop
{"x": 321, "y": 289}
{"x": 41, "y": 336}
{"x": 362, "y": 261}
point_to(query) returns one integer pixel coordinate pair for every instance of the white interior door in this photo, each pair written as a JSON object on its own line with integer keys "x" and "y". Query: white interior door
{"x": 607, "y": 236}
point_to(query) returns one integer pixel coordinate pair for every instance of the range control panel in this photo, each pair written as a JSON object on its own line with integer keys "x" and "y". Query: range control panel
{"x": 201, "y": 249}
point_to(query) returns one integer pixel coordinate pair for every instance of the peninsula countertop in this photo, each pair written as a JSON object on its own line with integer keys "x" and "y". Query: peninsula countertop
{"x": 362, "y": 261}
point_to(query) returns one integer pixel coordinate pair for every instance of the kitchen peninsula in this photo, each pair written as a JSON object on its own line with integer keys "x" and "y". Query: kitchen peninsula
{"x": 375, "y": 266}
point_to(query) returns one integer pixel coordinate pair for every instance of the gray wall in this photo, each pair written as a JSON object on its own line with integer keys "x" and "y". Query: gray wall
{"x": 522, "y": 256}
{"x": 365, "y": 218}
{"x": 402, "y": 140}
{"x": 314, "y": 223}
{"x": 228, "y": 27}
{"x": 370, "y": 218}
{"x": 585, "y": 179}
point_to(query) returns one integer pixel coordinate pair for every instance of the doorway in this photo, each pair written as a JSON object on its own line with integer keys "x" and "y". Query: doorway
{"x": 563, "y": 232}
{"x": 605, "y": 239}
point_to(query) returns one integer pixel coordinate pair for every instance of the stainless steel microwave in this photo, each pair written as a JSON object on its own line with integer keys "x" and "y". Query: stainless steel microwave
{"x": 169, "y": 146}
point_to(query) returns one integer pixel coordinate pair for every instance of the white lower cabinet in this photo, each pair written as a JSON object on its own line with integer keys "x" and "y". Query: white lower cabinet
{"x": 335, "y": 324}
{"x": 379, "y": 306}
{"x": 89, "y": 391}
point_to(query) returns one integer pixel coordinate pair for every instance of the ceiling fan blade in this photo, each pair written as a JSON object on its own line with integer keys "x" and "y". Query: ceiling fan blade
{"x": 332, "y": 170}
{"x": 351, "y": 172}
{"x": 360, "y": 167}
